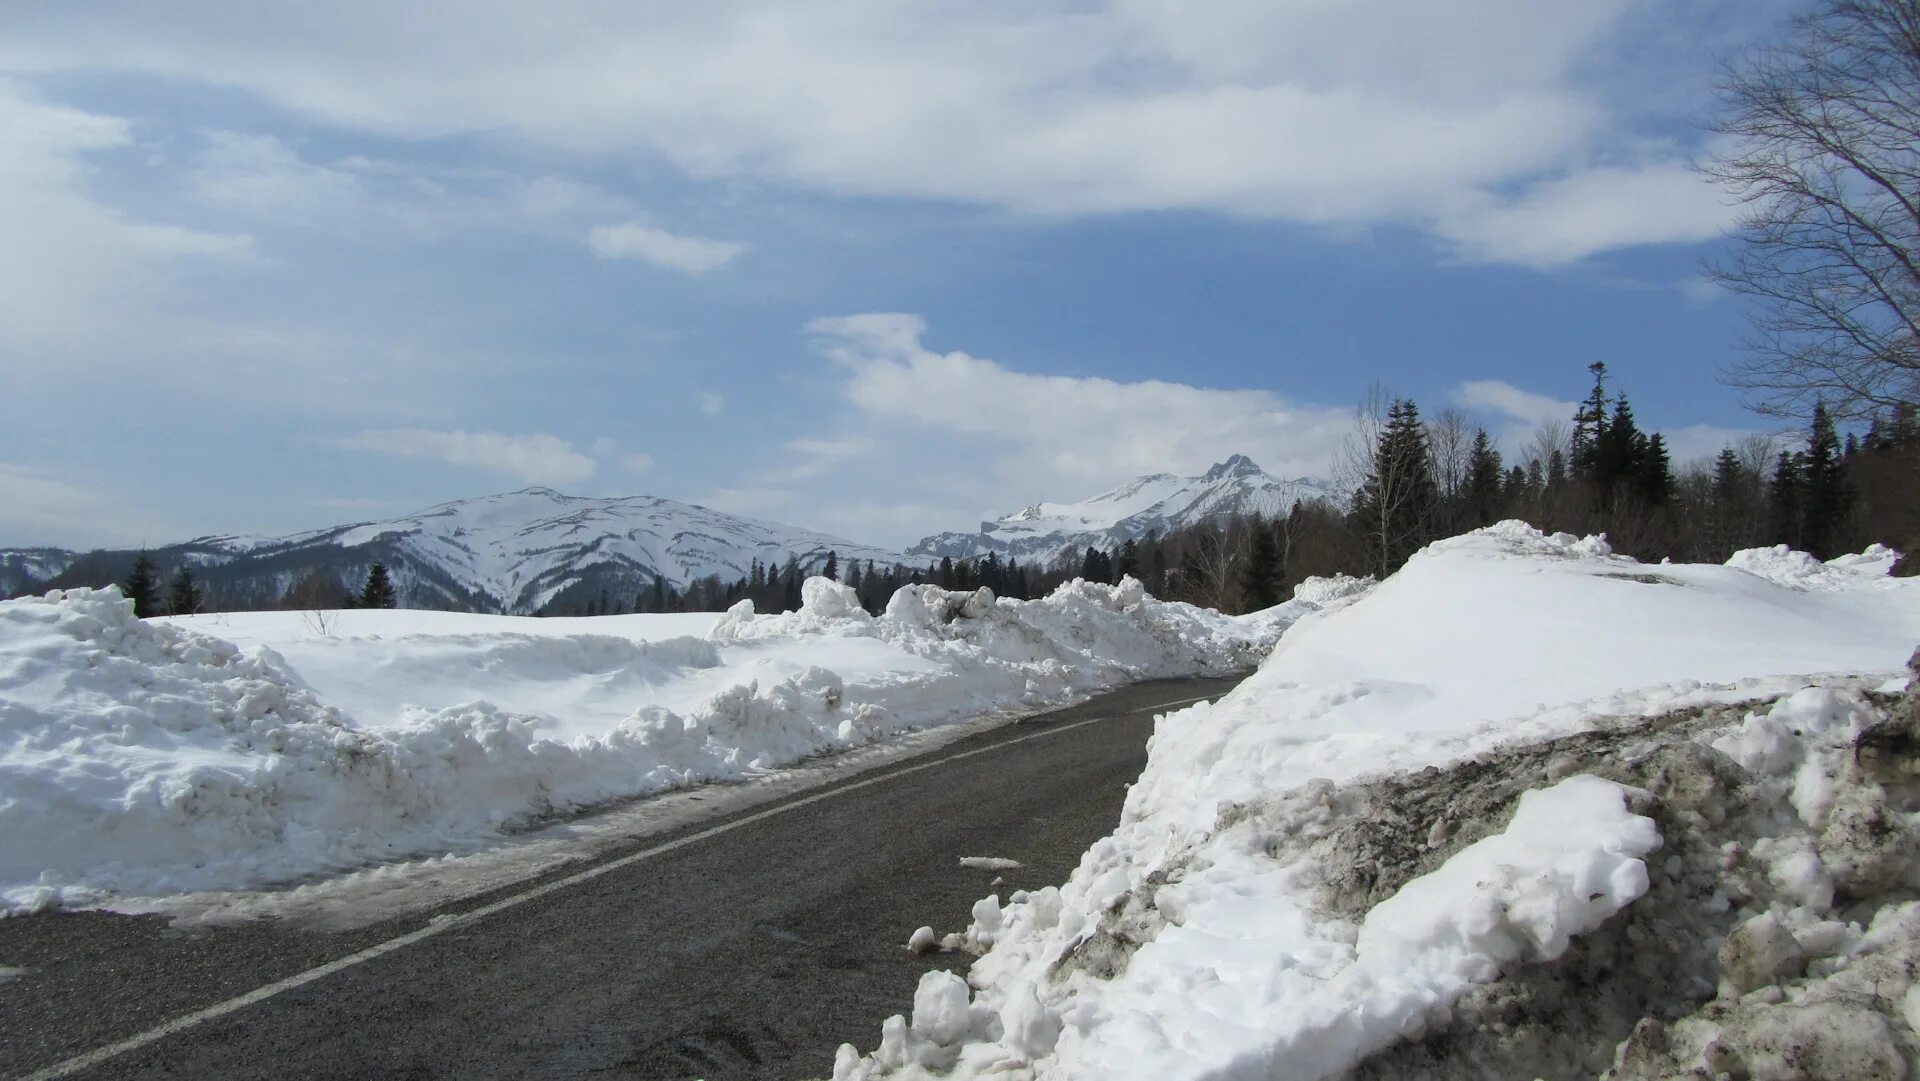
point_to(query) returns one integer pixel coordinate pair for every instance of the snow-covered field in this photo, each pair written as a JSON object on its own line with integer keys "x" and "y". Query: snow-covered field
{"x": 1431, "y": 790}
{"x": 142, "y": 759}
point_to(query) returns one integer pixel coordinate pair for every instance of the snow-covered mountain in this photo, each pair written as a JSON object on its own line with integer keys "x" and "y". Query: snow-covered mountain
{"x": 516, "y": 552}
{"x": 1158, "y": 502}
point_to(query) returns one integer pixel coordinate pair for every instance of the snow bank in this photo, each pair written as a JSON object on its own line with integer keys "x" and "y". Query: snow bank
{"x": 227, "y": 751}
{"x": 1292, "y": 888}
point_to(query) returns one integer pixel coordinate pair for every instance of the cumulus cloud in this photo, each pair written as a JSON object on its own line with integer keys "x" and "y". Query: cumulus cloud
{"x": 1061, "y": 435}
{"x": 687, "y": 254}
{"x": 536, "y": 459}
{"x": 1481, "y": 120}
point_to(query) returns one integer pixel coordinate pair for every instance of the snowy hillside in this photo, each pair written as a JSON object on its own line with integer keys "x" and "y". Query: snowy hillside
{"x": 151, "y": 757}
{"x": 1526, "y": 798}
{"x": 1157, "y": 502}
{"x": 513, "y": 552}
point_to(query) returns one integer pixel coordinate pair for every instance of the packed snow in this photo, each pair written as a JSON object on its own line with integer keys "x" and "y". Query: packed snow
{"x": 148, "y": 758}
{"x": 1436, "y": 787}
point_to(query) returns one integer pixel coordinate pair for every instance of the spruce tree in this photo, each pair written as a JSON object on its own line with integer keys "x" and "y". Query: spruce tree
{"x": 183, "y": 595}
{"x": 1483, "y": 480}
{"x": 1784, "y": 498}
{"x": 1260, "y": 577}
{"x": 142, "y": 587}
{"x": 1394, "y": 505}
{"x": 1654, "y": 477}
{"x": 378, "y": 592}
{"x": 1590, "y": 423}
{"x": 1129, "y": 562}
{"x": 1826, "y": 497}
{"x": 832, "y": 569}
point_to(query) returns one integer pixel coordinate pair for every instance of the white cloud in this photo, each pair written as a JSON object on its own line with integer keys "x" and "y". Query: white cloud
{"x": 80, "y": 281}
{"x": 1527, "y": 410}
{"x": 1493, "y": 395}
{"x": 536, "y": 459}
{"x": 44, "y": 509}
{"x": 1486, "y": 121}
{"x": 711, "y": 404}
{"x": 687, "y": 254}
{"x": 1570, "y": 217}
{"x": 1061, "y": 436}
{"x": 636, "y": 463}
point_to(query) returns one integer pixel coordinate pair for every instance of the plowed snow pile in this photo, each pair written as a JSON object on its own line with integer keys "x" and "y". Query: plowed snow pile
{"x": 146, "y": 758}
{"x": 1526, "y": 809}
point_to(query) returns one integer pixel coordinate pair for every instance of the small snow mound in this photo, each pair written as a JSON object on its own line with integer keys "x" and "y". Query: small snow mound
{"x": 1516, "y": 538}
{"x": 825, "y": 598}
{"x": 1784, "y": 566}
{"x": 989, "y": 863}
{"x": 1324, "y": 592}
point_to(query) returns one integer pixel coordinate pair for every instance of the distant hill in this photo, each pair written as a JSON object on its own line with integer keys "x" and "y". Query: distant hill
{"x": 517, "y": 552}
{"x": 1158, "y": 502}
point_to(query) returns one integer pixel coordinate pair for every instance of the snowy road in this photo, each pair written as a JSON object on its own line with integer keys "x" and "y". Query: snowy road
{"x": 745, "y": 947}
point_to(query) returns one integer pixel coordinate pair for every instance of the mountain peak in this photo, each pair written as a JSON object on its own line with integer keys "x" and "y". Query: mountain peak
{"x": 1238, "y": 465}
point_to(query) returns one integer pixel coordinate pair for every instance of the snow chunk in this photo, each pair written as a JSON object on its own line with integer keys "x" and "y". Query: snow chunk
{"x": 940, "y": 1009}
{"x": 1570, "y": 859}
{"x": 989, "y": 863}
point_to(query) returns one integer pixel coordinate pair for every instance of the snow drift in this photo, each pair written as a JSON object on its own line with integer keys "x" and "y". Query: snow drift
{"x": 221, "y": 752}
{"x": 1412, "y": 801}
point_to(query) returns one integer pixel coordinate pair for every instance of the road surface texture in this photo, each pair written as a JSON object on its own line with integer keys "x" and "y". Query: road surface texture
{"x": 748, "y": 946}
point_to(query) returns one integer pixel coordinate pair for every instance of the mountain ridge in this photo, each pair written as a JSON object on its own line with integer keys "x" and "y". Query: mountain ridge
{"x": 1041, "y": 533}
{"x": 514, "y": 552}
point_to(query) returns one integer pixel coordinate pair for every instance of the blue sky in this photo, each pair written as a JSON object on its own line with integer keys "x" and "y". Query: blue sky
{"x": 880, "y": 269}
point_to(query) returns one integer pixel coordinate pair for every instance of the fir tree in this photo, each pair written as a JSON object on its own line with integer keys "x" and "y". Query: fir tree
{"x": 1589, "y": 423}
{"x": 184, "y": 596}
{"x": 832, "y": 569}
{"x": 1129, "y": 562}
{"x": 1654, "y": 477}
{"x": 1827, "y": 498}
{"x": 659, "y": 593}
{"x": 1394, "y": 506}
{"x": 378, "y": 592}
{"x": 142, "y": 587}
{"x": 1261, "y": 576}
{"x": 1784, "y": 498}
{"x": 1483, "y": 480}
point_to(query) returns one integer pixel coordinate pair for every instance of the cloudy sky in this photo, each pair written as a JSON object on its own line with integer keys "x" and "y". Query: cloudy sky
{"x": 875, "y": 268}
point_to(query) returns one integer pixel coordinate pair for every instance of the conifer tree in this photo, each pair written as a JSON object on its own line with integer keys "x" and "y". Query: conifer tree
{"x": 378, "y": 592}
{"x": 1655, "y": 471}
{"x": 184, "y": 596}
{"x": 1260, "y": 577}
{"x": 1590, "y": 423}
{"x": 1393, "y": 507}
{"x": 142, "y": 587}
{"x": 659, "y": 593}
{"x": 1784, "y": 498}
{"x": 1129, "y": 562}
{"x": 832, "y": 569}
{"x": 1827, "y": 497}
{"x": 1483, "y": 480}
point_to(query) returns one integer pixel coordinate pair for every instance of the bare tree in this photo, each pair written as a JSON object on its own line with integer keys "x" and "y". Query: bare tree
{"x": 1450, "y": 439}
{"x": 1210, "y": 565}
{"x": 1823, "y": 149}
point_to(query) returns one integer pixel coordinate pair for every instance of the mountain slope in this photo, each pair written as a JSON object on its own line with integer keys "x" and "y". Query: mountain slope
{"x": 1157, "y": 502}
{"x": 516, "y": 552}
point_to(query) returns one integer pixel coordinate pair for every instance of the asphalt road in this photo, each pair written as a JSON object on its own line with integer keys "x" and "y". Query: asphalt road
{"x": 747, "y": 946}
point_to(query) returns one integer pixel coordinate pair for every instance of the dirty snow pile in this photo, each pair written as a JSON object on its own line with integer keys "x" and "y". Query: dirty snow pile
{"x": 1525, "y": 809}
{"x": 148, "y": 758}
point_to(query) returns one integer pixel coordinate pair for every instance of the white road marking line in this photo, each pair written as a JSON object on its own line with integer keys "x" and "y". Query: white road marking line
{"x": 440, "y": 923}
